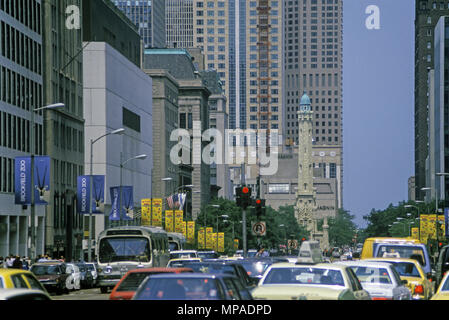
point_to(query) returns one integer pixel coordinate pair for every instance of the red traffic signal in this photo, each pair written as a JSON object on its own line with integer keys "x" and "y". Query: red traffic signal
{"x": 258, "y": 201}
{"x": 245, "y": 190}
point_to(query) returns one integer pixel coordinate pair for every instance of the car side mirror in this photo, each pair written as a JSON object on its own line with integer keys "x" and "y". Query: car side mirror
{"x": 404, "y": 282}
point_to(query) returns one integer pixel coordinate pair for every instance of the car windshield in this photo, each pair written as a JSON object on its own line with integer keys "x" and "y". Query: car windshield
{"x": 407, "y": 252}
{"x": 44, "y": 270}
{"x": 255, "y": 268}
{"x": 82, "y": 267}
{"x": 124, "y": 249}
{"x": 406, "y": 269}
{"x": 132, "y": 281}
{"x": 90, "y": 267}
{"x": 178, "y": 263}
{"x": 208, "y": 255}
{"x": 306, "y": 275}
{"x": 178, "y": 289}
{"x": 178, "y": 255}
{"x": 445, "y": 286}
{"x": 372, "y": 275}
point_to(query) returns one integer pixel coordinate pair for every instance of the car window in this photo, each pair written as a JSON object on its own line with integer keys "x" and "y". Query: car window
{"x": 244, "y": 293}
{"x": 407, "y": 269}
{"x": 35, "y": 284}
{"x": 232, "y": 290}
{"x": 354, "y": 281}
{"x": 132, "y": 281}
{"x": 396, "y": 275}
{"x": 304, "y": 275}
{"x": 18, "y": 281}
{"x": 1, "y": 283}
{"x": 372, "y": 274}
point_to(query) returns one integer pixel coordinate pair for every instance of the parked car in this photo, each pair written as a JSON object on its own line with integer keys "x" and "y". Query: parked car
{"x": 52, "y": 275}
{"x": 411, "y": 270}
{"x": 19, "y": 279}
{"x": 127, "y": 286}
{"x": 23, "y": 294}
{"x": 443, "y": 290}
{"x": 73, "y": 281}
{"x": 380, "y": 279}
{"x": 192, "y": 286}
{"x": 87, "y": 280}
{"x": 324, "y": 281}
{"x": 93, "y": 269}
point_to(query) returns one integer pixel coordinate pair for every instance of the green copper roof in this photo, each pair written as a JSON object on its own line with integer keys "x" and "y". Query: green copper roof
{"x": 305, "y": 100}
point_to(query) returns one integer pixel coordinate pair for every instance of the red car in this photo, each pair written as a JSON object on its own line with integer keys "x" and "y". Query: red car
{"x": 127, "y": 286}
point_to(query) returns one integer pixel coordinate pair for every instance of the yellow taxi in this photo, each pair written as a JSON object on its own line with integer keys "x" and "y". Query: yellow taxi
{"x": 412, "y": 271}
{"x": 443, "y": 290}
{"x": 19, "y": 279}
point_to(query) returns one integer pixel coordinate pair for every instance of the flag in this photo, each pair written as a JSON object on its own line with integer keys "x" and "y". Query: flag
{"x": 176, "y": 200}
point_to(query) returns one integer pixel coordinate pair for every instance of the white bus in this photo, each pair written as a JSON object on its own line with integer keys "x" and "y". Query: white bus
{"x": 176, "y": 241}
{"x": 125, "y": 248}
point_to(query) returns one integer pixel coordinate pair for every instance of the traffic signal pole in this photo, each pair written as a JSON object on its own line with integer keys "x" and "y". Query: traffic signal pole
{"x": 245, "y": 249}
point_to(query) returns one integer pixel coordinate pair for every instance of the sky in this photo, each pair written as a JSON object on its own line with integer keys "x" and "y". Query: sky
{"x": 378, "y": 106}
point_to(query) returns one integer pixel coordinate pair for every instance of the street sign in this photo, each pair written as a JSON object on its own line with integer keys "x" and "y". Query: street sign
{"x": 293, "y": 244}
{"x": 259, "y": 228}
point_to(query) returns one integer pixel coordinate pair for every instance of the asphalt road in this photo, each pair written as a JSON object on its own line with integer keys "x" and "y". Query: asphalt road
{"x": 85, "y": 294}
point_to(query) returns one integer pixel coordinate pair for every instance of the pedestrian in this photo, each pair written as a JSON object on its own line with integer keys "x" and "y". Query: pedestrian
{"x": 25, "y": 263}
{"x": 17, "y": 263}
{"x": 262, "y": 253}
{"x": 9, "y": 261}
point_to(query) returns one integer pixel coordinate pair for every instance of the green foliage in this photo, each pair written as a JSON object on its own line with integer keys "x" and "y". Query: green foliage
{"x": 341, "y": 229}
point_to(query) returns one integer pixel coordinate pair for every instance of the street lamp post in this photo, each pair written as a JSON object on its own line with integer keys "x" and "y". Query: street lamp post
{"x": 32, "y": 253}
{"x": 139, "y": 157}
{"x": 92, "y": 141}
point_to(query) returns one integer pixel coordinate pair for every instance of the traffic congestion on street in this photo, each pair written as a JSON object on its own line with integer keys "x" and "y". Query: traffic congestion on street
{"x": 378, "y": 269}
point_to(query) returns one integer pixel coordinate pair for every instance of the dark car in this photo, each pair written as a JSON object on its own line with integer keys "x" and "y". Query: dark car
{"x": 208, "y": 255}
{"x": 127, "y": 286}
{"x": 52, "y": 275}
{"x": 255, "y": 267}
{"x": 87, "y": 279}
{"x": 226, "y": 267}
{"x": 192, "y": 286}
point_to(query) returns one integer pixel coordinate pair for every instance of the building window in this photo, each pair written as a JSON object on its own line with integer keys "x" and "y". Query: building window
{"x": 279, "y": 188}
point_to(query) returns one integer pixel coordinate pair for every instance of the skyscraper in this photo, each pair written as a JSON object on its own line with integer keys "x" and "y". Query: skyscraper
{"x": 427, "y": 14}
{"x": 149, "y": 17}
{"x": 179, "y": 23}
{"x": 242, "y": 40}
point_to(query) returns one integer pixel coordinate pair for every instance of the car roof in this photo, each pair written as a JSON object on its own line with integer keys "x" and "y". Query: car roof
{"x": 394, "y": 260}
{"x": 158, "y": 270}
{"x": 186, "y": 259}
{"x": 182, "y": 251}
{"x": 7, "y": 293}
{"x": 195, "y": 275}
{"x": 318, "y": 265}
{"x": 379, "y": 264}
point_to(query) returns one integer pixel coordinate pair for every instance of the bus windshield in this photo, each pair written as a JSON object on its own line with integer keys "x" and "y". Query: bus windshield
{"x": 401, "y": 251}
{"x": 124, "y": 249}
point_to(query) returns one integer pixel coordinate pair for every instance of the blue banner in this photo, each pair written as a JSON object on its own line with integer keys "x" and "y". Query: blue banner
{"x": 98, "y": 194}
{"x": 83, "y": 193}
{"x": 446, "y": 222}
{"x": 114, "y": 215}
{"x": 22, "y": 181}
{"x": 127, "y": 210}
{"x": 41, "y": 180}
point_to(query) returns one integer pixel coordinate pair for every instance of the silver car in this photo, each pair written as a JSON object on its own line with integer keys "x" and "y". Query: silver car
{"x": 380, "y": 279}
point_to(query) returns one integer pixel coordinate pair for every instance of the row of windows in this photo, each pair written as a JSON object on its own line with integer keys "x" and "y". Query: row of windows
{"x": 67, "y": 138}
{"x": 19, "y": 48}
{"x": 19, "y": 91}
{"x": 316, "y": 80}
{"x": 28, "y": 12}
{"x": 435, "y": 5}
{"x": 6, "y": 175}
{"x": 61, "y": 214}
{"x": 317, "y": 139}
{"x": 66, "y": 174}
{"x": 15, "y": 133}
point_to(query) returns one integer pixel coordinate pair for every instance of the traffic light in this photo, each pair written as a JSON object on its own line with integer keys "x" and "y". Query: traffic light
{"x": 243, "y": 196}
{"x": 259, "y": 204}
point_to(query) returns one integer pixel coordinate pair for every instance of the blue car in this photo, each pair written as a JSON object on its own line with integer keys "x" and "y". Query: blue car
{"x": 192, "y": 286}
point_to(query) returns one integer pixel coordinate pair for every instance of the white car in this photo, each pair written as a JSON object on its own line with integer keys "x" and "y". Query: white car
{"x": 183, "y": 254}
{"x": 23, "y": 294}
{"x": 93, "y": 270}
{"x": 380, "y": 279}
{"x": 73, "y": 281}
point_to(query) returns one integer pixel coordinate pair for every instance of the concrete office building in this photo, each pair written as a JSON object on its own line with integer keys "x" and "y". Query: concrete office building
{"x": 64, "y": 129}
{"x": 149, "y": 17}
{"x": 428, "y": 12}
{"x": 104, "y": 22}
{"x": 179, "y": 23}
{"x": 193, "y": 116}
{"x": 165, "y": 121}
{"x": 20, "y": 92}
{"x": 117, "y": 94}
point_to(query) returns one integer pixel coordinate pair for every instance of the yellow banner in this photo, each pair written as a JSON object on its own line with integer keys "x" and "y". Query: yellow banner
{"x": 184, "y": 229}
{"x": 415, "y": 233}
{"x": 209, "y": 243}
{"x": 236, "y": 244}
{"x": 169, "y": 220}
{"x": 179, "y": 217}
{"x": 221, "y": 237}
{"x": 201, "y": 239}
{"x": 157, "y": 213}
{"x": 214, "y": 242}
{"x": 190, "y": 232}
{"x": 146, "y": 212}
{"x": 442, "y": 229}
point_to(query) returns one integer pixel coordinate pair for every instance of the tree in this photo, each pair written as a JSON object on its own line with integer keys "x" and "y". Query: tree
{"x": 341, "y": 229}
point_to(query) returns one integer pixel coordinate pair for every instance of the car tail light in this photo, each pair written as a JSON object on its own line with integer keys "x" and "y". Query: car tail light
{"x": 419, "y": 289}
{"x": 381, "y": 298}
